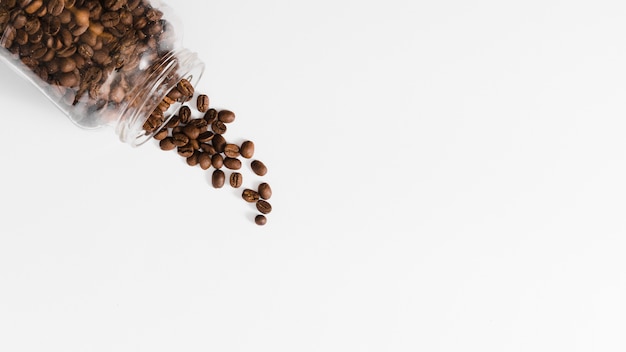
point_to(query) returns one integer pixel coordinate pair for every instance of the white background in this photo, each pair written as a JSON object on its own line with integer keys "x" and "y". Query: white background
{"x": 447, "y": 175}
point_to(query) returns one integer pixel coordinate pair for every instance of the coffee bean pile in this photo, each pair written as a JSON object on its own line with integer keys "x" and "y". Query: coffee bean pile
{"x": 87, "y": 53}
{"x": 198, "y": 136}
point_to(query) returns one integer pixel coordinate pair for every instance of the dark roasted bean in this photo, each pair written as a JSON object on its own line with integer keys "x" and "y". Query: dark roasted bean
{"x": 219, "y": 143}
{"x": 265, "y": 191}
{"x": 264, "y": 207}
{"x": 205, "y": 136}
{"x": 217, "y": 160}
{"x": 193, "y": 159}
{"x": 203, "y": 103}
{"x": 259, "y": 168}
{"x": 247, "y": 149}
{"x": 236, "y": 180}
{"x": 185, "y": 88}
{"x": 191, "y": 131}
{"x": 260, "y": 220}
{"x": 218, "y": 178}
{"x": 210, "y": 116}
{"x": 185, "y": 114}
{"x": 218, "y": 127}
{"x": 180, "y": 139}
{"x": 232, "y": 163}
{"x": 226, "y": 116}
{"x": 231, "y": 150}
{"x": 167, "y": 144}
{"x": 250, "y": 195}
{"x": 159, "y": 136}
{"x": 205, "y": 160}
{"x": 185, "y": 151}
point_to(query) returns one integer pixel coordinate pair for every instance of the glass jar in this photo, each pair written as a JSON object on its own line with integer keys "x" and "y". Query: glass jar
{"x": 114, "y": 63}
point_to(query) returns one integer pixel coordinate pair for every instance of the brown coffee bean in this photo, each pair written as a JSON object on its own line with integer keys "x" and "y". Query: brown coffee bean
{"x": 167, "y": 143}
{"x": 174, "y": 94}
{"x": 185, "y": 87}
{"x": 219, "y": 127}
{"x": 180, "y": 139}
{"x": 33, "y": 6}
{"x": 185, "y": 114}
{"x": 264, "y": 207}
{"x": 200, "y": 123}
{"x": 159, "y": 136}
{"x": 250, "y": 195}
{"x": 203, "y": 103}
{"x": 236, "y": 180}
{"x": 85, "y": 51}
{"x": 185, "y": 151}
{"x": 260, "y": 220}
{"x": 193, "y": 159}
{"x": 206, "y": 136}
{"x": 232, "y": 163}
{"x": 205, "y": 160}
{"x": 218, "y": 178}
{"x": 265, "y": 191}
{"x": 219, "y": 143}
{"x": 191, "y": 131}
{"x": 259, "y": 168}
{"x": 210, "y": 116}
{"x": 67, "y": 64}
{"x": 209, "y": 148}
{"x": 173, "y": 122}
{"x": 114, "y": 5}
{"x": 217, "y": 160}
{"x": 226, "y": 116}
{"x": 55, "y": 7}
{"x": 231, "y": 150}
{"x": 247, "y": 149}
{"x": 110, "y": 19}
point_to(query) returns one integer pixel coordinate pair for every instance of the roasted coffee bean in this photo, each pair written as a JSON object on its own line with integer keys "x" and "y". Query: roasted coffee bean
{"x": 236, "y": 180}
{"x": 218, "y": 127}
{"x": 33, "y": 6}
{"x": 210, "y": 116}
{"x": 217, "y": 160}
{"x": 231, "y": 150}
{"x": 218, "y": 178}
{"x": 185, "y": 88}
{"x": 247, "y": 149}
{"x": 185, "y": 151}
{"x": 55, "y": 7}
{"x": 209, "y": 148}
{"x": 203, "y": 103}
{"x": 260, "y": 220}
{"x": 173, "y": 122}
{"x": 193, "y": 159}
{"x": 185, "y": 114}
{"x": 191, "y": 131}
{"x": 180, "y": 139}
{"x": 232, "y": 163}
{"x": 250, "y": 195}
{"x": 200, "y": 123}
{"x": 110, "y": 19}
{"x": 265, "y": 191}
{"x": 264, "y": 207}
{"x": 205, "y": 136}
{"x": 114, "y": 5}
{"x": 259, "y": 168}
{"x": 219, "y": 143}
{"x": 194, "y": 144}
{"x": 226, "y": 116}
{"x": 159, "y": 136}
{"x": 205, "y": 160}
{"x": 167, "y": 143}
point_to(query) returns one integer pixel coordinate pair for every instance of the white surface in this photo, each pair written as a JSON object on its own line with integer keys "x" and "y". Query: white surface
{"x": 447, "y": 175}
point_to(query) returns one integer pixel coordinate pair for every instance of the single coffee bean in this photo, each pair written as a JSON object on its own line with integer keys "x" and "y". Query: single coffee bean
{"x": 217, "y": 160}
{"x": 210, "y": 116}
{"x": 185, "y": 151}
{"x": 264, "y": 207}
{"x": 232, "y": 163}
{"x": 185, "y": 87}
{"x": 250, "y": 195}
{"x": 226, "y": 116}
{"x": 173, "y": 122}
{"x": 247, "y": 149}
{"x": 236, "y": 180}
{"x": 260, "y": 220}
{"x": 185, "y": 114}
{"x": 205, "y": 136}
{"x": 219, "y": 143}
{"x": 194, "y": 144}
{"x": 265, "y": 191}
{"x": 231, "y": 150}
{"x": 110, "y": 19}
{"x": 200, "y": 123}
{"x": 180, "y": 139}
{"x": 167, "y": 143}
{"x": 204, "y": 159}
{"x": 218, "y": 178}
{"x": 203, "y": 103}
{"x": 159, "y": 136}
{"x": 191, "y": 131}
{"x": 209, "y": 148}
{"x": 219, "y": 127}
{"x": 193, "y": 159}
{"x": 259, "y": 168}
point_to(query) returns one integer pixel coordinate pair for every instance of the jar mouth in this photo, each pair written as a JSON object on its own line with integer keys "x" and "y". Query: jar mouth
{"x": 180, "y": 64}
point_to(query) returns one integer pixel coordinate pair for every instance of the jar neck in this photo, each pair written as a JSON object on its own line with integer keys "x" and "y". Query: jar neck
{"x": 144, "y": 98}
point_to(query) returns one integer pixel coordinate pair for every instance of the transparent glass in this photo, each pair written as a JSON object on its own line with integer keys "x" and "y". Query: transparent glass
{"x": 101, "y": 62}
